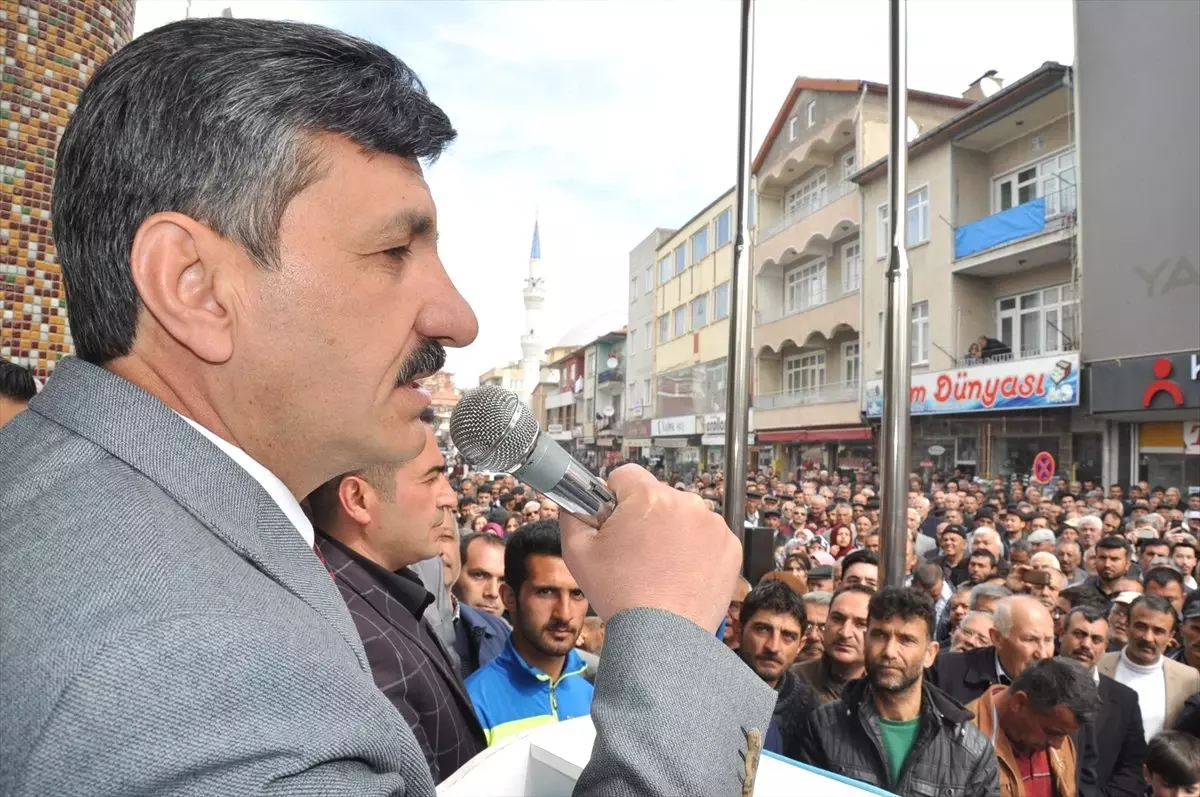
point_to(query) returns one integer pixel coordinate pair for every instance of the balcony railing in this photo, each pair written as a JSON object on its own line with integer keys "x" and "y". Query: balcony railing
{"x": 828, "y": 296}
{"x": 832, "y": 193}
{"x": 829, "y": 393}
{"x": 1023, "y": 354}
{"x": 1044, "y": 214}
{"x": 611, "y": 375}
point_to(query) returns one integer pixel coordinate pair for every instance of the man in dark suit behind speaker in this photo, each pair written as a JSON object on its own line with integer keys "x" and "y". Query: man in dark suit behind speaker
{"x": 1112, "y": 748}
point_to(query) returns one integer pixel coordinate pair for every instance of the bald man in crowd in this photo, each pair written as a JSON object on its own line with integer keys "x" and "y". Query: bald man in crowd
{"x": 1022, "y": 632}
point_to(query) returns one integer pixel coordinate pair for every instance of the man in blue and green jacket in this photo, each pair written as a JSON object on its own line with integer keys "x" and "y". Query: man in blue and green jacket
{"x": 539, "y": 677}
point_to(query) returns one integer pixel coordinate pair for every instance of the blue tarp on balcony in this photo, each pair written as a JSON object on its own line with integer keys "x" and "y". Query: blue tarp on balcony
{"x": 1000, "y": 228}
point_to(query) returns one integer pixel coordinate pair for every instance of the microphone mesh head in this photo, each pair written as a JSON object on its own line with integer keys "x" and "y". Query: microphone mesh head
{"x": 492, "y": 428}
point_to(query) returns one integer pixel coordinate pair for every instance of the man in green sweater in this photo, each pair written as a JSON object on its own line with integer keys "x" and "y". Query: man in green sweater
{"x": 892, "y": 729}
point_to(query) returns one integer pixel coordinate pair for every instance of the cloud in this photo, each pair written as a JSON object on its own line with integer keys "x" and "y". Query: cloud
{"x": 608, "y": 119}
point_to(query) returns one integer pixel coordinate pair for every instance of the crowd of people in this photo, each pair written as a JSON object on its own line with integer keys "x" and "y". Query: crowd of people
{"x": 1047, "y": 634}
{"x": 1046, "y": 640}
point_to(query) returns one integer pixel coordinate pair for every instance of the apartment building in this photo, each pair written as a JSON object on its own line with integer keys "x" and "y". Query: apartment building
{"x": 565, "y": 407}
{"x": 691, "y": 333}
{"x": 511, "y": 377}
{"x": 990, "y": 217}
{"x": 603, "y": 394}
{"x": 639, "y": 343}
{"x": 808, "y": 260}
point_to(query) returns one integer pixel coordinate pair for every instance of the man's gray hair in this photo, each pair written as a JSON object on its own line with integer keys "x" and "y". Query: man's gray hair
{"x": 818, "y": 597}
{"x": 215, "y": 119}
{"x": 1091, "y": 520}
{"x": 994, "y": 591}
{"x": 1002, "y": 616}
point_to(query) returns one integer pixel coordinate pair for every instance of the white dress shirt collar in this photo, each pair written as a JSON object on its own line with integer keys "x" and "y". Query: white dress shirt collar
{"x": 279, "y": 493}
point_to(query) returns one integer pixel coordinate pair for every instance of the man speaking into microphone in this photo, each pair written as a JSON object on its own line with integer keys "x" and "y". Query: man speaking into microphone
{"x": 250, "y": 253}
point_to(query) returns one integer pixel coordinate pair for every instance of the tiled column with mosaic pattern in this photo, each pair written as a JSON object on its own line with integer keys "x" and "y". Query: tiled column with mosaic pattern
{"x": 49, "y": 50}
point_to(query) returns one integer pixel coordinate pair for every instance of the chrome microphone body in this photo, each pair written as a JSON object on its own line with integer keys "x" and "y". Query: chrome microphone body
{"x": 495, "y": 431}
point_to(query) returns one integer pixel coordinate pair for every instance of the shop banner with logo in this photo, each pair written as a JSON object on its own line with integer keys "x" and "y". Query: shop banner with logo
{"x": 1035, "y": 383}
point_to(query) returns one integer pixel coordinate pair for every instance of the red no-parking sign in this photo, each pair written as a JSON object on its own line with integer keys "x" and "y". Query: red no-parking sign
{"x": 1043, "y": 467}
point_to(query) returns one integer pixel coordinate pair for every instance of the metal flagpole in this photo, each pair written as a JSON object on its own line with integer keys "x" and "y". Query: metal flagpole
{"x": 895, "y": 418}
{"x": 737, "y": 397}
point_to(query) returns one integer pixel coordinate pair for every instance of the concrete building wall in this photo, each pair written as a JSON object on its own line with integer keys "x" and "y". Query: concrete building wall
{"x": 639, "y": 357}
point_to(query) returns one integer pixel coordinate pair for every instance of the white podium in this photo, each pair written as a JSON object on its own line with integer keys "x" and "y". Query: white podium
{"x": 546, "y": 762}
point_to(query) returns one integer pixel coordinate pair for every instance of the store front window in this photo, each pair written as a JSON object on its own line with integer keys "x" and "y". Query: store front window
{"x": 1014, "y": 456}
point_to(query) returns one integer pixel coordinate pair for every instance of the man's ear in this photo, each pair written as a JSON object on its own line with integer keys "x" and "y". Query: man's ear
{"x": 179, "y": 267}
{"x": 509, "y": 598}
{"x": 931, "y": 653}
{"x": 357, "y": 500}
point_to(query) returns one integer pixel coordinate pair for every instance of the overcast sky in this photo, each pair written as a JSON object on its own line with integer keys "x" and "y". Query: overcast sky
{"x": 607, "y": 118}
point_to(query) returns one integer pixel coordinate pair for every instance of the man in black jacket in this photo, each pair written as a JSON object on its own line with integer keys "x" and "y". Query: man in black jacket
{"x": 892, "y": 729}
{"x": 1111, "y": 749}
{"x": 1022, "y": 632}
{"x": 772, "y": 623}
{"x": 372, "y": 525}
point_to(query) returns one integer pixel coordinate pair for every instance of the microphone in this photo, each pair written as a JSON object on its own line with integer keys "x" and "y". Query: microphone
{"x": 494, "y": 431}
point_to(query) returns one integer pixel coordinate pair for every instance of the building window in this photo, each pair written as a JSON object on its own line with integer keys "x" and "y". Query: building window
{"x": 680, "y": 255}
{"x": 721, "y": 301}
{"x": 649, "y": 279}
{"x": 1052, "y": 178}
{"x": 646, "y": 391}
{"x": 851, "y": 370}
{"x": 920, "y": 333}
{"x": 851, "y": 266}
{"x": 807, "y": 197}
{"x": 847, "y": 166}
{"x": 700, "y": 311}
{"x": 699, "y": 245}
{"x": 646, "y": 335}
{"x": 793, "y": 128}
{"x": 633, "y": 292}
{"x": 804, "y": 372}
{"x": 664, "y": 328}
{"x": 883, "y": 243}
{"x": 723, "y": 227}
{"x": 632, "y": 342}
{"x": 664, "y": 270}
{"x": 590, "y": 369}
{"x": 917, "y": 207}
{"x": 681, "y": 320}
{"x": 1039, "y": 322}
{"x": 810, "y": 113}
{"x": 804, "y": 287}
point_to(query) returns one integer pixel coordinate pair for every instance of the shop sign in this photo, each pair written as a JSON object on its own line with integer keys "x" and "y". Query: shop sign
{"x": 577, "y": 431}
{"x": 719, "y": 439}
{"x": 1035, "y": 383}
{"x": 588, "y": 441}
{"x": 637, "y": 442}
{"x": 714, "y": 424}
{"x": 670, "y": 442}
{"x": 637, "y": 428}
{"x": 554, "y": 428}
{"x": 1138, "y": 384}
{"x": 680, "y": 425}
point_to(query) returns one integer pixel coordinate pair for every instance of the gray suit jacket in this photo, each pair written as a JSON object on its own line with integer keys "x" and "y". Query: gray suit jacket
{"x": 166, "y": 631}
{"x": 1181, "y": 682}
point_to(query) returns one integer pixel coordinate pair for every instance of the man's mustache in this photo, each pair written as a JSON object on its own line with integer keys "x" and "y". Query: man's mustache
{"x": 429, "y": 358}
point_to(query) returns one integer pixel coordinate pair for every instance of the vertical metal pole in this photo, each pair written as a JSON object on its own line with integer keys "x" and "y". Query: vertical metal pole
{"x": 896, "y": 377}
{"x": 737, "y": 397}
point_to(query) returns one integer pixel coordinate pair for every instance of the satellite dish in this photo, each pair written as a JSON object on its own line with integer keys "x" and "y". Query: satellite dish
{"x": 609, "y": 412}
{"x": 913, "y": 130}
{"x": 613, "y": 362}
